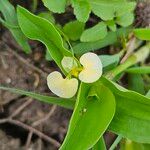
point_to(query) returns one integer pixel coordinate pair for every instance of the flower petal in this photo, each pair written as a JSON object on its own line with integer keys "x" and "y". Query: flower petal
{"x": 68, "y": 63}
{"x": 65, "y": 88}
{"x": 92, "y": 68}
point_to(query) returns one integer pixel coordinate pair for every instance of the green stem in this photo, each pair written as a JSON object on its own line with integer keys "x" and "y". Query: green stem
{"x": 116, "y": 142}
{"x": 137, "y": 57}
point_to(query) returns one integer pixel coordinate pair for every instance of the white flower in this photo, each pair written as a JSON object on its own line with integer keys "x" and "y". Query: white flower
{"x": 92, "y": 68}
{"x": 65, "y": 88}
{"x": 89, "y": 73}
{"x": 68, "y": 63}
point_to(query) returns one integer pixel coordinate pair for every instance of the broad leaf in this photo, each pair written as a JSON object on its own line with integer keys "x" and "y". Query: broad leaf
{"x": 90, "y": 118}
{"x": 82, "y": 9}
{"x": 132, "y": 117}
{"x": 57, "y": 6}
{"x": 142, "y": 33}
{"x": 95, "y": 33}
{"x": 67, "y": 103}
{"x": 111, "y": 38}
{"x": 37, "y": 28}
{"x": 74, "y": 30}
{"x": 107, "y": 10}
{"x": 125, "y": 20}
{"x": 10, "y": 17}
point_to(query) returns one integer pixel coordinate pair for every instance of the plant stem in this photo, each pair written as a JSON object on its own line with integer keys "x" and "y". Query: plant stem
{"x": 116, "y": 142}
{"x": 137, "y": 57}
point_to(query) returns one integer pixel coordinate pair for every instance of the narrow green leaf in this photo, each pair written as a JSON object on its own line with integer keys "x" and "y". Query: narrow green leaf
{"x": 111, "y": 38}
{"x": 90, "y": 118}
{"x": 82, "y": 9}
{"x": 9, "y": 13}
{"x": 132, "y": 117}
{"x": 67, "y": 103}
{"x": 142, "y": 33}
{"x": 56, "y": 6}
{"x": 95, "y": 33}
{"x": 139, "y": 70}
{"x": 125, "y": 20}
{"x": 74, "y": 30}
{"x": 37, "y": 28}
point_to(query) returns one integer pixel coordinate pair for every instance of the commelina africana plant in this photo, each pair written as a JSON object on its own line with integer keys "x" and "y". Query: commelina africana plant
{"x": 89, "y": 72}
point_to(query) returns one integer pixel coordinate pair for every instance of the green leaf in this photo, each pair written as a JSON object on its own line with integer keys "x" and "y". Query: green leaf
{"x": 111, "y": 25}
{"x": 90, "y": 118}
{"x": 139, "y": 70}
{"x": 125, "y": 20}
{"x": 74, "y": 30}
{"x": 136, "y": 83}
{"x": 132, "y": 117}
{"x": 37, "y": 28}
{"x": 142, "y": 33}
{"x": 107, "y": 10}
{"x": 100, "y": 145}
{"x": 67, "y": 103}
{"x": 111, "y": 38}
{"x": 109, "y": 61}
{"x": 10, "y": 17}
{"x": 95, "y": 33}
{"x": 56, "y": 6}
{"x": 47, "y": 15}
{"x": 82, "y": 9}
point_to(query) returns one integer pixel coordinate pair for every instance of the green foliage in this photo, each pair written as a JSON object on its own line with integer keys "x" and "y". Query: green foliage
{"x": 47, "y": 15}
{"x": 90, "y": 117}
{"x": 37, "y": 28}
{"x": 132, "y": 109}
{"x": 100, "y": 145}
{"x": 73, "y": 30}
{"x": 111, "y": 38}
{"x": 57, "y": 6}
{"x": 142, "y": 33}
{"x": 126, "y": 120}
{"x": 110, "y": 61}
{"x": 11, "y": 22}
{"x": 125, "y": 20}
{"x": 95, "y": 33}
{"x": 114, "y": 12}
{"x": 43, "y": 98}
{"x": 82, "y": 9}
{"x": 139, "y": 70}
{"x": 136, "y": 83}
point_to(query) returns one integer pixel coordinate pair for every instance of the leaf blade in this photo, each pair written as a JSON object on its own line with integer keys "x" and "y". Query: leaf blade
{"x": 43, "y": 98}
